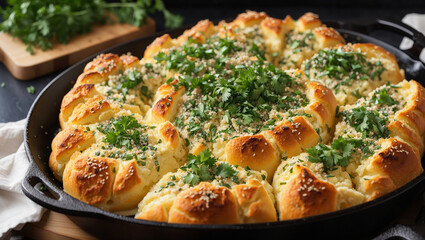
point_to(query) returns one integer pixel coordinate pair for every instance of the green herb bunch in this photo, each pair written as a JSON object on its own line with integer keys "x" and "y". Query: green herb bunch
{"x": 204, "y": 167}
{"x": 37, "y": 23}
{"x": 338, "y": 153}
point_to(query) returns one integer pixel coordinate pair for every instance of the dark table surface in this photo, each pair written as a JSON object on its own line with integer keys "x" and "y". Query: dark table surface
{"x": 15, "y": 101}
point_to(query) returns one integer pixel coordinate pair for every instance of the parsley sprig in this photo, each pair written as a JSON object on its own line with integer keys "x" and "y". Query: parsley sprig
{"x": 368, "y": 122}
{"x": 338, "y": 153}
{"x": 38, "y": 22}
{"x": 204, "y": 167}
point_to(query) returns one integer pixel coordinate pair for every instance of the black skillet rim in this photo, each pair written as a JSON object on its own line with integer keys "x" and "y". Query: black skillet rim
{"x": 90, "y": 211}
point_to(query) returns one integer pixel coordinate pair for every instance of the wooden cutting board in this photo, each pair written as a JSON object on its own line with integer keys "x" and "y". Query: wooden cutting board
{"x": 54, "y": 225}
{"x": 25, "y": 66}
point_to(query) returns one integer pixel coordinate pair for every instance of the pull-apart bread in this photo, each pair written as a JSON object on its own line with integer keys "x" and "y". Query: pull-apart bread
{"x": 256, "y": 120}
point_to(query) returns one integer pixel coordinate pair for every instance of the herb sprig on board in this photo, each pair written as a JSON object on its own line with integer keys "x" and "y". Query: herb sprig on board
{"x": 38, "y": 22}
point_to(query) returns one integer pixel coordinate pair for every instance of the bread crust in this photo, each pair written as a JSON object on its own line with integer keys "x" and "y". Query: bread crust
{"x": 169, "y": 133}
{"x": 397, "y": 160}
{"x": 199, "y": 33}
{"x": 249, "y": 18}
{"x": 166, "y": 107}
{"x": 90, "y": 179}
{"x": 160, "y": 43}
{"x": 65, "y": 143}
{"x": 327, "y": 37}
{"x": 253, "y": 151}
{"x": 377, "y": 186}
{"x": 205, "y": 204}
{"x": 255, "y": 202}
{"x": 305, "y": 195}
{"x": 96, "y": 109}
{"x": 78, "y": 95}
{"x": 308, "y": 20}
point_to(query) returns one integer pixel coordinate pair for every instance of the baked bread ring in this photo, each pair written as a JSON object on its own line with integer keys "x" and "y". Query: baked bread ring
{"x": 247, "y": 121}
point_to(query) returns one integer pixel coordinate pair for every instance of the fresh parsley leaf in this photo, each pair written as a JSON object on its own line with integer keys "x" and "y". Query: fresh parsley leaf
{"x": 382, "y": 97}
{"x": 204, "y": 167}
{"x": 225, "y": 170}
{"x": 125, "y": 131}
{"x": 31, "y": 89}
{"x": 191, "y": 179}
{"x": 367, "y": 122}
{"x": 338, "y": 153}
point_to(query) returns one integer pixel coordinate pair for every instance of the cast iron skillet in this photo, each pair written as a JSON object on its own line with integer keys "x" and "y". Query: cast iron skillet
{"x": 363, "y": 220}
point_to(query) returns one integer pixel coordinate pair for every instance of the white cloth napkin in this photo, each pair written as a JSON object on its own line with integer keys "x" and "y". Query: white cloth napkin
{"x": 416, "y": 21}
{"x": 15, "y": 208}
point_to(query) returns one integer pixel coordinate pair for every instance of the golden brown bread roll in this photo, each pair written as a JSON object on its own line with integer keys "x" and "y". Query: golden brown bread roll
{"x": 67, "y": 142}
{"x": 163, "y": 42}
{"x": 205, "y": 204}
{"x": 253, "y": 151}
{"x": 290, "y": 42}
{"x": 239, "y": 196}
{"x": 304, "y": 189}
{"x": 134, "y": 163}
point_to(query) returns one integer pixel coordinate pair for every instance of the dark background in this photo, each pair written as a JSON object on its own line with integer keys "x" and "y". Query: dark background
{"x": 15, "y": 101}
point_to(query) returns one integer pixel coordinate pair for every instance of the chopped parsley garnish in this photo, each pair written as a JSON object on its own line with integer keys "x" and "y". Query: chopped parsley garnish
{"x": 338, "y": 153}
{"x": 124, "y": 131}
{"x": 345, "y": 66}
{"x": 243, "y": 94}
{"x": 31, "y": 89}
{"x": 204, "y": 167}
{"x": 129, "y": 81}
{"x": 367, "y": 122}
{"x": 256, "y": 51}
{"x": 302, "y": 40}
{"x": 382, "y": 97}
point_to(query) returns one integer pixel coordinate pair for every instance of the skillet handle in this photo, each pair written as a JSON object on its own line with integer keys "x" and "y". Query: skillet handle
{"x": 403, "y": 29}
{"x": 370, "y": 25}
{"x": 42, "y": 191}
